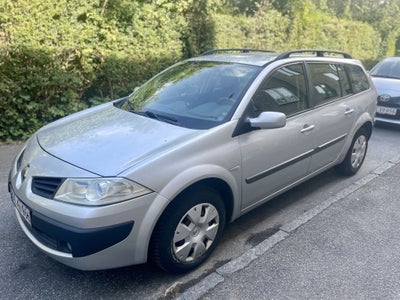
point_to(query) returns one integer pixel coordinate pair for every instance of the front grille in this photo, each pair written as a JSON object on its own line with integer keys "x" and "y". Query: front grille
{"x": 393, "y": 102}
{"x": 46, "y": 186}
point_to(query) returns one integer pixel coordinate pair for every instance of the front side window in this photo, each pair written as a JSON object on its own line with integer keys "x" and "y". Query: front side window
{"x": 193, "y": 94}
{"x": 283, "y": 91}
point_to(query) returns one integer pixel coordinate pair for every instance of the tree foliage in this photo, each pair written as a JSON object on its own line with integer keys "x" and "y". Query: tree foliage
{"x": 58, "y": 57}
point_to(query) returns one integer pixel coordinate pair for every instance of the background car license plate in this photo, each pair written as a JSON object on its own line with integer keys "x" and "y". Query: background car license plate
{"x": 22, "y": 208}
{"x": 386, "y": 110}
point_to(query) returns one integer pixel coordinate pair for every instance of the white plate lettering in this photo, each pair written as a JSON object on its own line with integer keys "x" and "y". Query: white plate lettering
{"x": 22, "y": 208}
{"x": 386, "y": 110}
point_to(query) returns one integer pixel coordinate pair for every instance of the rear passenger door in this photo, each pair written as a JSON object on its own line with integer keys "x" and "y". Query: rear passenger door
{"x": 334, "y": 112}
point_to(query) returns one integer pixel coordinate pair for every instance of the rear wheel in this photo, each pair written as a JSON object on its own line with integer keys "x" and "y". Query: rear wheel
{"x": 356, "y": 154}
{"x": 188, "y": 230}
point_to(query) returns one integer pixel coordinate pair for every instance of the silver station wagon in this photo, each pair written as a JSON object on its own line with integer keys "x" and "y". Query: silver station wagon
{"x": 158, "y": 174}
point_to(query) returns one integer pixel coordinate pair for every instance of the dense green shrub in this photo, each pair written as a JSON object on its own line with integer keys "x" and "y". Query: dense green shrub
{"x": 58, "y": 57}
{"x": 267, "y": 29}
{"x": 64, "y": 56}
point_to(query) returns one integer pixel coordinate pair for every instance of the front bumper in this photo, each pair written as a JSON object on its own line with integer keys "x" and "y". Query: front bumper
{"x": 69, "y": 240}
{"x": 86, "y": 238}
{"x": 99, "y": 248}
{"x": 383, "y": 119}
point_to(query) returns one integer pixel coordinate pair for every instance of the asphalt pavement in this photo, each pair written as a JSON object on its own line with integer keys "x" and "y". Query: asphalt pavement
{"x": 6, "y": 152}
{"x": 348, "y": 247}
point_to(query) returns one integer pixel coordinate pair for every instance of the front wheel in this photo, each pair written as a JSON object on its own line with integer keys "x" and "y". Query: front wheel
{"x": 188, "y": 230}
{"x": 356, "y": 154}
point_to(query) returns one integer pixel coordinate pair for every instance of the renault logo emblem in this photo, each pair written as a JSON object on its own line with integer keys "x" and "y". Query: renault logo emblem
{"x": 384, "y": 98}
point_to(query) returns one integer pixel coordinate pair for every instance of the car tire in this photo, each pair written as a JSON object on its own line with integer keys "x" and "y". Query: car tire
{"x": 188, "y": 230}
{"x": 355, "y": 155}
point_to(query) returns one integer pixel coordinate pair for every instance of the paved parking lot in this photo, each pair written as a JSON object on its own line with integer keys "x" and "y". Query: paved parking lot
{"x": 346, "y": 248}
{"x": 26, "y": 273}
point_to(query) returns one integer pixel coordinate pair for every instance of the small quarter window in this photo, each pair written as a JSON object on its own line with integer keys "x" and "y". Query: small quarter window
{"x": 359, "y": 80}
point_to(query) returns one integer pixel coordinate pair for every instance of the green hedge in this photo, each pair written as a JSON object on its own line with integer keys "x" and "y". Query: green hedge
{"x": 58, "y": 57}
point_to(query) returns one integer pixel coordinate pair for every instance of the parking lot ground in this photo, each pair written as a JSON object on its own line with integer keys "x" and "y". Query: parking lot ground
{"x": 334, "y": 238}
{"x": 345, "y": 248}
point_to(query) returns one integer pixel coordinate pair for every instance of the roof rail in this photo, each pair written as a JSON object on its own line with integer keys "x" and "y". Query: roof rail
{"x": 319, "y": 53}
{"x": 241, "y": 50}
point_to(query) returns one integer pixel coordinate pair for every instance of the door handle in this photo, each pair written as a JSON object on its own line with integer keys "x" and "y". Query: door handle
{"x": 349, "y": 111}
{"x": 307, "y": 128}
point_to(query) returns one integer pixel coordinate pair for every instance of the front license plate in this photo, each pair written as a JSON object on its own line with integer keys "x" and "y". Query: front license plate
{"x": 23, "y": 210}
{"x": 386, "y": 110}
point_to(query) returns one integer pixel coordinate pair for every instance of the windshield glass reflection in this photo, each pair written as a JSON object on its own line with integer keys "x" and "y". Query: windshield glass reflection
{"x": 192, "y": 94}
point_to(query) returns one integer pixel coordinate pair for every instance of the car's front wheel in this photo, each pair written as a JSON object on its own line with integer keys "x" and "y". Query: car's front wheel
{"x": 188, "y": 230}
{"x": 356, "y": 154}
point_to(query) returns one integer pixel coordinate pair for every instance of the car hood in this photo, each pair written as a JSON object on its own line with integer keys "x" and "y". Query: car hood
{"x": 388, "y": 86}
{"x": 108, "y": 140}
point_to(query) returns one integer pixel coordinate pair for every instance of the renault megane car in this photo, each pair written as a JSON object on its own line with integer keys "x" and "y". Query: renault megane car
{"x": 158, "y": 174}
{"x": 386, "y": 77}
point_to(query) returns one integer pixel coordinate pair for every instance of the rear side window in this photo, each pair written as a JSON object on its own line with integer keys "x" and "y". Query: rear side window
{"x": 283, "y": 91}
{"x": 358, "y": 78}
{"x": 325, "y": 82}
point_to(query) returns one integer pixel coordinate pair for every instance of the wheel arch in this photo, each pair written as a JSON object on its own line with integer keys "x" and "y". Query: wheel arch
{"x": 365, "y": 121}
{"x": 368, "y": 127}
{"x": 225, "y": 182}
{"x": 215, "y": 185}
{"x": 220, "y": 186}
{"x": 344, "y": 167}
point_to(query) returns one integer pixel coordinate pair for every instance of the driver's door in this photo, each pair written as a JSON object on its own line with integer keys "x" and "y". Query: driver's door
{"x": 273, "y": 159}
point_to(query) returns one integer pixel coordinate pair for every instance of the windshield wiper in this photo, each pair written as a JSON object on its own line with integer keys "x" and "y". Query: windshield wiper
{"x": 131, "y": 108}
{"x": 157, "y": 116}
{"x": 385, "y": 76}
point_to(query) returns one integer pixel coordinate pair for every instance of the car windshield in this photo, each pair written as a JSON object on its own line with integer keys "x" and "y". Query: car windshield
{"x": 389, "y": 68}
{"x": 193, "y": 94}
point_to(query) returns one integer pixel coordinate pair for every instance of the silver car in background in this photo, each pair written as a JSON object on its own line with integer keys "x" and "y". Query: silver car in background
{"x": 158, "y": 174}
{"x": 386, "y": 78}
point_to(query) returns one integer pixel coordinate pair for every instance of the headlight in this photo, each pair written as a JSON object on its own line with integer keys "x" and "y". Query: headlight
{"x": 99, "y": 191}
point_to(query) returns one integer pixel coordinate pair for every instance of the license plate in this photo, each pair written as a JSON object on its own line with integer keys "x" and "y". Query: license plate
{"x": 23, "y": 210}
{"x": 386, "y": 110}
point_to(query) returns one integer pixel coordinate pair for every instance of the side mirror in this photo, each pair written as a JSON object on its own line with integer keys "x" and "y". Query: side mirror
{"x": 268, "y": 120}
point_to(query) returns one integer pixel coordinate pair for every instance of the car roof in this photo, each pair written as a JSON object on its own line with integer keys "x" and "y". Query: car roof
{"x": 393, "y": 57}
{"x": 256, "y": 59}
{"x": 262, "y": 57}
